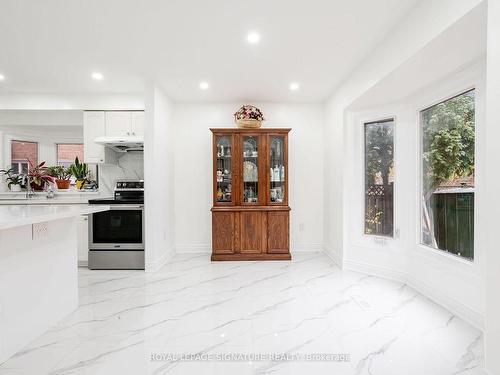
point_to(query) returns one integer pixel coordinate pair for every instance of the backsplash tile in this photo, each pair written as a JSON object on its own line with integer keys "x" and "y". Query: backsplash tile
{"x": 130, "y": 167}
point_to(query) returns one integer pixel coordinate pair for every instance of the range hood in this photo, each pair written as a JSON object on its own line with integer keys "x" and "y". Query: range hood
{"x": 122, "y": 144}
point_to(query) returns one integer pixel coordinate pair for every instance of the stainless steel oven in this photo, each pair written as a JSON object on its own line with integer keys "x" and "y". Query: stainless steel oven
{"x": 116, "y": 237}
{"x": 120, "y": 228}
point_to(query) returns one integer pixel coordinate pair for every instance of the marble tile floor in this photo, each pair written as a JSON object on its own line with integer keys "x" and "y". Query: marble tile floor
{"x": 277, "y": 313}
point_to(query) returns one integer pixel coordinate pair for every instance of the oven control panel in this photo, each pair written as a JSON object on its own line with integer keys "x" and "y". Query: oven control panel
{"x": 130, "y": 185}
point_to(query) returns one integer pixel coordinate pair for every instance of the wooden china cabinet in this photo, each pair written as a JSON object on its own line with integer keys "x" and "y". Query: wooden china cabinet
{"x": 250, "y": 213}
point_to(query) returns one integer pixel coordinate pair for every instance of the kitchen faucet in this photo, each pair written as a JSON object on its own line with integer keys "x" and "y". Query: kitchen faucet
{"x": 30, "y": 193}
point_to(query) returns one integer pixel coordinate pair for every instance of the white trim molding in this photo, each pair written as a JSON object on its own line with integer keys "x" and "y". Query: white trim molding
{"x": 160, "y": 262}
{"x": 306, "y": 247}
{"x": 456, "y": 307}
{"x": 207, "y": 248}
{"x": 193, "y": 248}
{"x": 333, "y": 255}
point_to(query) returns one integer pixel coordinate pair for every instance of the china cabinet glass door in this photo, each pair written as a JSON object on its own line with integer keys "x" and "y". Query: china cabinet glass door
{"x": 277, "y": 169}
{"x": 250, "y": 173}
{"x": 224, "y": 166}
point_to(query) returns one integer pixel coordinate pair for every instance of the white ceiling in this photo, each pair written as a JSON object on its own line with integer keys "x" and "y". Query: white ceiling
{"x": 54, "y": 45}
{"x": 41, "y": 118}
{"x": 461, "y": 45}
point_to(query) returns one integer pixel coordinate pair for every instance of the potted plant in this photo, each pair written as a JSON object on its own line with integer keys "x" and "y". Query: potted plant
{"x": 38, "y": 175}
{"x": 14, "y": 181}
{"x": 62, "y": 176}
{"x": 80, "y": 171}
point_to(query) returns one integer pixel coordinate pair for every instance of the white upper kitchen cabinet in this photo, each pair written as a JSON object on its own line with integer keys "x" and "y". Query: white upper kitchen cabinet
{"x": 99, "y": 124}
{"x": 118, "y": 123}
{"x": 138, "y": 120}
{"x": 124, "y": 123}
{"x": 93, "y": 127}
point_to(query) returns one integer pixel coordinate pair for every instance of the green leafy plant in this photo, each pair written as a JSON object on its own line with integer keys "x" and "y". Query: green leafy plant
{"x": 59, "y": 172}
{"x": 79, "y": 170}
{"x": 448, "y": 141}
{"x": 12, "y": 178}
{"x": 448, "y": 144}
{"x": 38, "y": 175}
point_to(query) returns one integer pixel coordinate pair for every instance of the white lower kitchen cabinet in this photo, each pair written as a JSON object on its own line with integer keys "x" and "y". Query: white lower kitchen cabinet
{"x": 82, "y": 235}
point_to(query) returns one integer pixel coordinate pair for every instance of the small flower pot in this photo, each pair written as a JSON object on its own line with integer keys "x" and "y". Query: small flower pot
{"x": 15, "y": 188}
{"x": 37, "y": 187}
{"x": 63, "y": 184}
{"x": 79, "y": 184}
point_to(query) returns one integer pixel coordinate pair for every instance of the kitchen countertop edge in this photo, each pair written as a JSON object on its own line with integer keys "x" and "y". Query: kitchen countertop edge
{"x": 32, "y": 214}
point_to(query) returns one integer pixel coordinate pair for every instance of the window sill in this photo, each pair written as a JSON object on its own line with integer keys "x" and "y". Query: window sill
{"x": 444, "y": 255}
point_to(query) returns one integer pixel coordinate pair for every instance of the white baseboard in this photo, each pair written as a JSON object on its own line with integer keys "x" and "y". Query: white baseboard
{"x": 159, "y": 263}
{"x": 375, "y": 270}
{"x": 207, "y": 248}
{"x": 83, "y": 263}
{"x": 193, "y": 248}
{"x": 458, "y": 308}
{"x": 333, "y": 255}
{"x": 306, "y": 247}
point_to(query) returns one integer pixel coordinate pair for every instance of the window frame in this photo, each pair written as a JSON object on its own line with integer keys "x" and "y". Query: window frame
{"x": 420, "y": 171}
{"x": 395, "y": 231}
{"x": 37, "y": 143}
{"x": 64, "y": 143}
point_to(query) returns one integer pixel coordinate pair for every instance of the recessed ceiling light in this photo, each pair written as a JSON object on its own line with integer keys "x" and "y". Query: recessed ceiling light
{"x": 253, "y": 37}
{"x": 2, "y": 77}
{"x": 97, "y": 76}
{"x": 204, "y": 85}
{"x": 294, "y": 86}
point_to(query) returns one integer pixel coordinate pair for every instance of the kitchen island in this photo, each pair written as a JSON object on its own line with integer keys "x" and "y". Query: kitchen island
{"x": 38, "y": 270}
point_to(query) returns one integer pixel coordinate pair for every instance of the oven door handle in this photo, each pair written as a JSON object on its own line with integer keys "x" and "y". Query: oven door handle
{"x": 125, "y": 207}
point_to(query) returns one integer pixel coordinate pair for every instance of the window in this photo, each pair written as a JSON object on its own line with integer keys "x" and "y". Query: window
{"x": 66, "y": 153}
{"x": 379, "y": 178}
{"x": 448, "y": 175}
{"x": 21, "y": 151}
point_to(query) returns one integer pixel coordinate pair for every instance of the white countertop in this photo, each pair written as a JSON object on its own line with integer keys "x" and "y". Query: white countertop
{"x": 64, "y": 197}
{"x": 43, "y": 200}
{"x": 12, "y": 216}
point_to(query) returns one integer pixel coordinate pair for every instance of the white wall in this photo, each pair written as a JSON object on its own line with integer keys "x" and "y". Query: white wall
{"x": 374, "y": 82}
{"x": 489, "y": 219}
{"x": 425, "y": 22}
{"x": 72, "y": 101}
{"x": 453, "y": 282}
{"x": 159, "y": 179}
{"x": 193, "y": 169}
